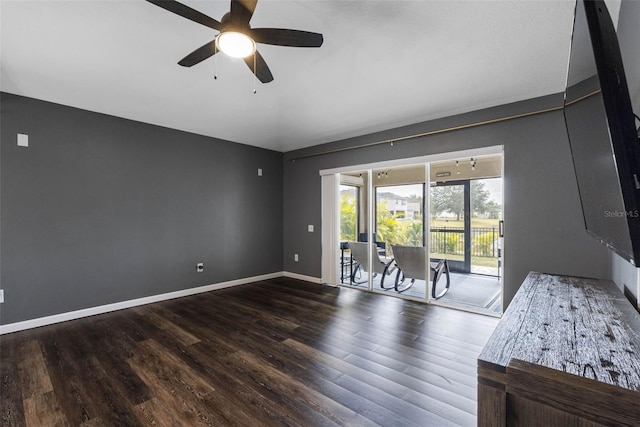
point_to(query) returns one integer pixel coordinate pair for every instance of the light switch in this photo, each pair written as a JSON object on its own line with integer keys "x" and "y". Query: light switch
{"x": 259, "y": 171}
{"x": 23, "y": 140}
{"x": 310, "y": 228}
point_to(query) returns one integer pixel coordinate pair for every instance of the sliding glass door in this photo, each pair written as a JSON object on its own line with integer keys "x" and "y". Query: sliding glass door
{"x": 465, "y": 216}
{"x": 486, "y": 214}
{"x": 399, "y": 219}
{"x": 400, "y": 228}
{"x": 354, "y": 265}
{"x": 451, "y": 224}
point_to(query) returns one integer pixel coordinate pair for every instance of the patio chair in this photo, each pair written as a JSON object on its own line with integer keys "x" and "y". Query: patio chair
{"x": 381, "y": 265}
{"x": 411, "y": 262}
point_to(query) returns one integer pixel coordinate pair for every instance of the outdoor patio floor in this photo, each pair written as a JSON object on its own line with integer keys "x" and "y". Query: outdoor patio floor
{"x": 472, "y": 292}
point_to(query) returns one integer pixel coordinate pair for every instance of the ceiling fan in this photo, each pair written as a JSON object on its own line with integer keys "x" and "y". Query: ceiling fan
{"x": 237, "y": 38}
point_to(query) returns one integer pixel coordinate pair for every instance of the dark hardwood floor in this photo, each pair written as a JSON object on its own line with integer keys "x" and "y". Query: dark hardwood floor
{"x": 279, "y": 352}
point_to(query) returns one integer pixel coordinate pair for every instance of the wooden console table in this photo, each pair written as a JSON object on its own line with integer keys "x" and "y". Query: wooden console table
{"x": 566, "y": 353}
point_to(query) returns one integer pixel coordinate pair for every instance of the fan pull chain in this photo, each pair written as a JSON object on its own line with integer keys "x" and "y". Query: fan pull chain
{"x": 215, "y": 63}
{"x": 254, "y": 73}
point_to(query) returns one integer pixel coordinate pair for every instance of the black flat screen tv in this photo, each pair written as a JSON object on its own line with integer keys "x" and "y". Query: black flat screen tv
{"x": 602, "y": 132}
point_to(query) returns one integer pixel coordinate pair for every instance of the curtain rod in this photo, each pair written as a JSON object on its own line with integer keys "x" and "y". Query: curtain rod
{"x": 432, "y": 132}
{"x": 589, "y": 95}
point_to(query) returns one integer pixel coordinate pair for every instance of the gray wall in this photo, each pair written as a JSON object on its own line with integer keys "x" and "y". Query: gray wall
{"x": 100, "y": 209}
{"x": 543, "y": 217}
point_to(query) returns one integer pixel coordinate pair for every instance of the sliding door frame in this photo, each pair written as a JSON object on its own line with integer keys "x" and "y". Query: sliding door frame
{"x": 463, "y": 266}
{"x": 330, "y": 208}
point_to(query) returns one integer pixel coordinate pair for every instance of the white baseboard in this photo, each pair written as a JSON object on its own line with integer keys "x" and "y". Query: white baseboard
{"x": 302, "y": 277}
{"x": 92, "y": 311}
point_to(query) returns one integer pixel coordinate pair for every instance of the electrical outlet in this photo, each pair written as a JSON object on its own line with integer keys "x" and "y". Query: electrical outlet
{"x": 259, "y": 171}
{"x": 310, "y": 228}
{"x": 200, "y": 267}
{"x": 295, "y": 257}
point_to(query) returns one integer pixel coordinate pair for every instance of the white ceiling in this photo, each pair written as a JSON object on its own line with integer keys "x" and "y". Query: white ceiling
{"x": 383, "y": 63}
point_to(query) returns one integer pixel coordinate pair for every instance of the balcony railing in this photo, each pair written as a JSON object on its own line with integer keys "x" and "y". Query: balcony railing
{"x": 450, "y": 240}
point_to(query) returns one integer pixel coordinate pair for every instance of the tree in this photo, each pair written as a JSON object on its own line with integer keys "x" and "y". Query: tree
{"x": 447, "y": 199}
{"x": 492, "y": 210}
{"x": 450, "y": 199}
{"x": 413, "y": 234}
{"x": 387, "y": 225}
{"x": 481, "y": 202}
{"x": 479, "y": 197}
{"x": 348, "y": 214}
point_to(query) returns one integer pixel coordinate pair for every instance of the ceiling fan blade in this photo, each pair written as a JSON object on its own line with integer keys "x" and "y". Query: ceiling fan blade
{"x": 199, "y": 55}
{"x": 262, "y": 71}
{"x": 284, "y": 37}
{"x": 187, "y": 12}
{"x": 242, "y": 11}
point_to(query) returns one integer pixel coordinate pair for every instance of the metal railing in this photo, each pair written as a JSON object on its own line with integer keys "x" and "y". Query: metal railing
{"x": 450, "y": 240}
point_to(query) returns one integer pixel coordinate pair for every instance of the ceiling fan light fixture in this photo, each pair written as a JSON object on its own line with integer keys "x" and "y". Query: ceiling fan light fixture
{"x": 235, "y": 44}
